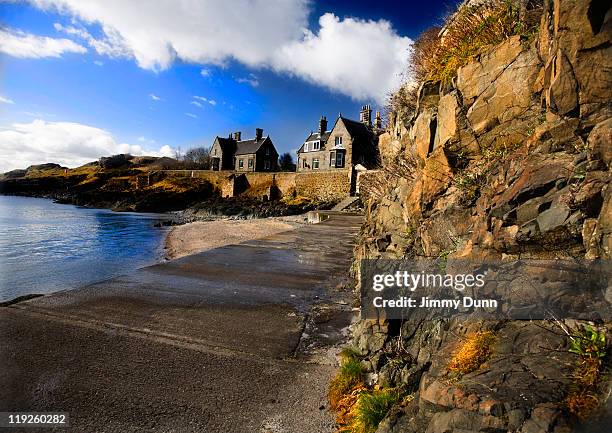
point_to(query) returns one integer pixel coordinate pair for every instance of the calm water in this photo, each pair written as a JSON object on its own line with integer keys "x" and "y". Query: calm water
{"x": 45, "y": 246}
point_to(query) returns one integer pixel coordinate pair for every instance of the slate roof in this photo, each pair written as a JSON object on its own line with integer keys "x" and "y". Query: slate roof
{"x": 357, "y": 130}
{"x": 244, "y": 147}
{"x": 226, "y": 143}
{"x": 315, "y": 136}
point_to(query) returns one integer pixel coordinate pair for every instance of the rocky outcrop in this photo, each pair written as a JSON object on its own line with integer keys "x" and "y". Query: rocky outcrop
{"x": 513, "y": 159}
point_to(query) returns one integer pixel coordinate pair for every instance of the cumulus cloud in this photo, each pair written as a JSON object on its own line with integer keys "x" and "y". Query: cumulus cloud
{"x": 359, "y": 58}
{"x": 67, "y": 143}
{"x": 363, "y": 59}
{"x": 6, "y": 100}
{"x": 154, "y": 97}
{"x": 203, "y": 32}
{"x": 17, "y": 43}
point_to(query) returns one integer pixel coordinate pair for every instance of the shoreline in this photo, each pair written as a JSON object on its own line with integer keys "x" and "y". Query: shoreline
{"x": 198, "y": 236}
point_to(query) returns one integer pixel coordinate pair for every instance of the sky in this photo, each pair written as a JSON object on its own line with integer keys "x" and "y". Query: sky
{"x": 80, "y": 79}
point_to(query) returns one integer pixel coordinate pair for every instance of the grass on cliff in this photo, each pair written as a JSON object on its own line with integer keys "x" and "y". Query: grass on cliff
{"x": 472, "y": 353}
{"x": 588, "y": 375}
{"x": 349, "y": 378}
{"x": 439, "y": 53}
{"x": 370, "y": 409}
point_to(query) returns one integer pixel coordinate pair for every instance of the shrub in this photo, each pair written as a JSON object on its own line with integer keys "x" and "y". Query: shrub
{"x": 475, "y": 351}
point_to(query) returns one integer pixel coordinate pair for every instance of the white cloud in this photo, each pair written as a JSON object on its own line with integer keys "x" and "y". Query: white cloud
{"x": 17, "y": 43}
{"x": 111, "y": 45}
{"x": 251, "y": 79}
{"x": 6, "y": 100}
{"x": 154, "y": 97}
{"x": 191, "y": 115}
{"x": 203, "y": 32}
{"x": 67, "y": 143}
{"x": 359, "y": 58}
{"x": 98, "y": 63}
{"x": 199, "y": 99}
{"x": 363, "y": 59}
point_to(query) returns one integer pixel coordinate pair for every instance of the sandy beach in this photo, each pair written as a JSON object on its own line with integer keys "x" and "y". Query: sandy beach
{"x": 200, "y": 236}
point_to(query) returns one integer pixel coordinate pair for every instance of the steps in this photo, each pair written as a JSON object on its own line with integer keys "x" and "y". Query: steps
{"x": 346, "y": 202}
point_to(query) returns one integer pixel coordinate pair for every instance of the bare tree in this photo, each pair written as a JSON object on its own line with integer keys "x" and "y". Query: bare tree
{"x": 198, "y": 157}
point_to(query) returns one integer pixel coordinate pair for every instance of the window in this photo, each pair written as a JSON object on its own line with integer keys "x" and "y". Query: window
{"x": 250, "y": 162}
{"x": 304, "y": 164}
{"x": 315, "y": 163}
{"x": 215, "y": 152}
{"x": 241, "y": 163}
{"x": 305, "y": 147}
{"x": 267, "y": 164}
{"x": 316, "y": 145}
{"x": 338, "y": 141}
{"x": 267, "y": 151}
{"x": 332, "y": 159}
{"x": 339, "y": 159}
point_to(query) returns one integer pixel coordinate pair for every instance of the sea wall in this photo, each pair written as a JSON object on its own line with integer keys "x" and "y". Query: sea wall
{"x": 322, "y": 185}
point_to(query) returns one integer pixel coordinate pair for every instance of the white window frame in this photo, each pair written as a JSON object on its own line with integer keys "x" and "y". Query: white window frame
{"x": 332, "y": 158}
{"x": 316, "y": 145}
{"x": 315, "y": 163}
{"x": 251, "y": 163}
{"x": 306, "y": 147}
{"x": 241, "y": 163}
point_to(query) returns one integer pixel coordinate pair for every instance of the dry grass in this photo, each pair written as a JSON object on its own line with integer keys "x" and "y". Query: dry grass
{"x": 475, "y": 351}
{"x": 402, "y": 167}
{"x": 438, "y": 56}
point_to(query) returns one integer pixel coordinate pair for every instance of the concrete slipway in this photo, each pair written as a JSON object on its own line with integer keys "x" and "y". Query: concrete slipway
{"x": 221, "y": 341}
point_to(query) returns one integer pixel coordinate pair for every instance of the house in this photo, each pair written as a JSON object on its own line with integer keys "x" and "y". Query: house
{"x": 348, "y": 144}
{"x": 233, "y": 153}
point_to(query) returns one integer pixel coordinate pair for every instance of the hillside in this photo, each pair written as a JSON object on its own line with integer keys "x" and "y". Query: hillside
{"x": 504, "y": 153}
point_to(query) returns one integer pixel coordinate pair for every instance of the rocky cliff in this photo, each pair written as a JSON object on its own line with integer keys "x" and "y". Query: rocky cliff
{"x": 511, "y": 159}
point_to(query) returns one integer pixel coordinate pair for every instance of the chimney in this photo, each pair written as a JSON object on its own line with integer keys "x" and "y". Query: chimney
{"x": 378, "y": 121}
{"x": 365, "y": 115}
{"x": 258, "y": 133}
{"x": 237, "y": 135}
{"x": 322, "y": 125}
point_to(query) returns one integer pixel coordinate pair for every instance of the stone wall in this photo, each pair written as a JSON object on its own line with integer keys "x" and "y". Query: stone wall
{"x": 325, "y": 185}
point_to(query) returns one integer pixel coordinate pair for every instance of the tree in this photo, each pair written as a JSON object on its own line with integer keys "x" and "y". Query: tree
{"x": 199, "y": 157}
{"x": 286, "y": 162}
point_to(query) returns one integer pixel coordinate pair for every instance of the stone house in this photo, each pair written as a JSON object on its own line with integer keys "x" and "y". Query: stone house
{"x": 348, "y": 144}
{"x": 233, "y": 153}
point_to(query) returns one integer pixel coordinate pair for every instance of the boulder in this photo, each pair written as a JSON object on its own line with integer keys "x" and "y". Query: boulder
{"x": 475, "y": 77}
{"x": 423, "y": 133}
{"x": 447, "y": 119}
{"x": 600, "y": 142}
{"x": 562, "y": 94}
{"x": 508, "y": 96}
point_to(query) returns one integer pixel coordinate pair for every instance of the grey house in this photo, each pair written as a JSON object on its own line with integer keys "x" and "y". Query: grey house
{"x": 349, "y": 143}
{"x": 233, "y": 153}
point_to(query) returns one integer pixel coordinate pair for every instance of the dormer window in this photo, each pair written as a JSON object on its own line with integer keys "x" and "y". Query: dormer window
{"x": 316, "y": 145}
{"x": 338, "y": 140}
{"x": 306, "y": 147}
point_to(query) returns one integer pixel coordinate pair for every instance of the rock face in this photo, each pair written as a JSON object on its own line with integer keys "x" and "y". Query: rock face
{"x": 514, "y": 159}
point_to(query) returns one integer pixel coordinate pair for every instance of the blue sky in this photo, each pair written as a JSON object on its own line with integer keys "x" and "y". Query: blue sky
{"x": 84, "y": 78}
